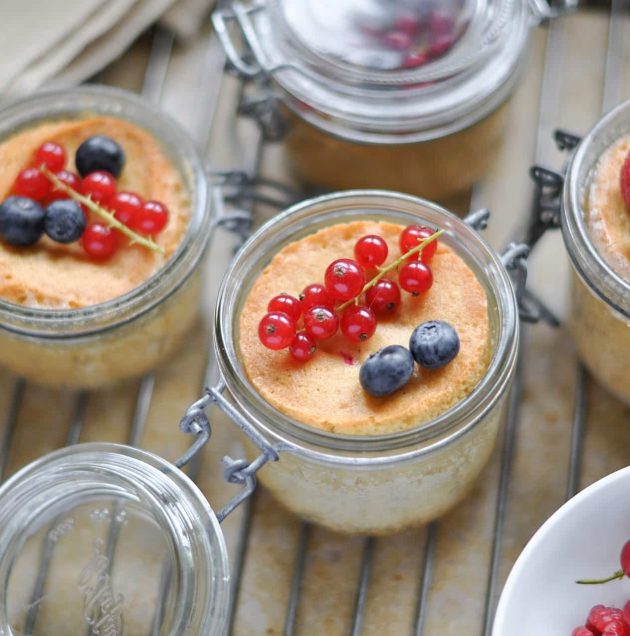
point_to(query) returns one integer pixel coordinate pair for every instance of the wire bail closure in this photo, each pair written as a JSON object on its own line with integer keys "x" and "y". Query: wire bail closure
{"x": 236, "y": 471}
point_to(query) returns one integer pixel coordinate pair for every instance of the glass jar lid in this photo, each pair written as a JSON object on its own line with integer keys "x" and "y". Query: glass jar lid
{"x": 106, "y": 539}
{"x": 391, "y": 70}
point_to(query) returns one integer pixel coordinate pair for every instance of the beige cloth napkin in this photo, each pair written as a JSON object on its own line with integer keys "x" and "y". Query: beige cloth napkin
{"x": 62, "y": 42}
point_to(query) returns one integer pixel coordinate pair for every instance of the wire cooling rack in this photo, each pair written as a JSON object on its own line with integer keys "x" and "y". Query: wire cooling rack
{"x": 561, "y": 431}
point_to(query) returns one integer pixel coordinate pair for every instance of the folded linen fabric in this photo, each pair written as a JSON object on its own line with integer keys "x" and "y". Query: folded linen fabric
{"x": 62, "y": 42}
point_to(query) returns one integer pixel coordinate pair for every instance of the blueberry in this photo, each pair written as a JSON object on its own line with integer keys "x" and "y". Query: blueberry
{"x": 386, "y": 370}
{"x": 21, "y": 221}
{"x": 64, "y": 221}
{"x": 100, "y": 153}
{"x": 434, "y": 344}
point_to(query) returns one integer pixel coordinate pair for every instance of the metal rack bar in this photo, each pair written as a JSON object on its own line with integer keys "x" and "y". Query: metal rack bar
{"x": 296, "y": 580}
{"x": 428, "y": 564}
{"x": 577, "y": 432}
{"x": 362, "y": 586}
{"x": 9, "y": 425}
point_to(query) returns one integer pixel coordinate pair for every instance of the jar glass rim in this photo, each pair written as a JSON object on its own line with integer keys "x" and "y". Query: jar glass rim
{"x": 304, "y": 218}
{"x": 407, "y": 106}
{"x": 103, "y": 100}
{"x": 593, "y": 268}
{"x": 201, "y": 558}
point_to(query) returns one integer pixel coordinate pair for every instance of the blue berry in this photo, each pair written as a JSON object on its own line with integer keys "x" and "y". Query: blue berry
{"x": 21, "y": 221}
{"x": 386, "y": 371}
{"x": 434, "y": 344}
{"x": 100, "y": 153}
{"x": 64, "y": 221}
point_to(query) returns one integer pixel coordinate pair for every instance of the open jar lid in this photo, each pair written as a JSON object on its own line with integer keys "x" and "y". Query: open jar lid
{"x": 390, "y": 70}
{"x": 107, "y": 539}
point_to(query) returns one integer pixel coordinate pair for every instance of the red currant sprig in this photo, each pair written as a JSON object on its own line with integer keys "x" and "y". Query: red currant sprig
{"x": 345, "y": 282}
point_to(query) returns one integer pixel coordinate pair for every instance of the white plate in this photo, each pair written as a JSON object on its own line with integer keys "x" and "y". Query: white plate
{"x": 582, "y": 539}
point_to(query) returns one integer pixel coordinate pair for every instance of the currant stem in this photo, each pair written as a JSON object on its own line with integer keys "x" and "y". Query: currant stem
{"x": 383, "y": 271}
{"x": 112, "y": 221}
{"x": 618, "y": 575}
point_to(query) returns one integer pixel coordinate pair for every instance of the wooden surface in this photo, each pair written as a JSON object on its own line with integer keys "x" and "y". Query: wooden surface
{"x": 564, "y": 86}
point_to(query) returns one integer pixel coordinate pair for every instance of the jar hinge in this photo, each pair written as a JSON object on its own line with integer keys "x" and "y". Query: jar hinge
{"x": 236, "y": 471}
{"x": 545, "y": 10}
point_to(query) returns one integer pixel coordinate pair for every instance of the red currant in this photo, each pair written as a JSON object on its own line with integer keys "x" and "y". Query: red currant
{"x": 100, "y": 186}
{"x": 99, "y": 241}
{"x": 384, "y": 297}
{"x": 52, "y": 155}
{"x": 440, "y": 45}
{"x": 415, "y": 277}
{"x": 414, "y": 60}
{"x": 315, "y": 296}
{"x": 358, "y": 323}
{"x": 125, "y": 206}
{"x": 151, "y": 219}
{"x": 276, "y": 330}
{"x": 69, "y": 178}
{"x": 33, "y": 184}
{"x": 321, "y": 323}
{"x": 344, "y": 279}
{"x": 302, "y": 347}
{"x": 411, "y": 236}
{"x": 624, "y": 558}
{"x": 287, "y": 304}
{"x": 625, "y": 181}
{"x": 397, "y": 40}
{"x": 371, "y": 251}
{"x": 626, "y": 613}
{"x": 408, "y": 23}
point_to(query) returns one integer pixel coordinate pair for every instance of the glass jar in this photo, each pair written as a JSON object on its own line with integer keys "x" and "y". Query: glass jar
{"x": 130, "y": 334}
{"x": 385, "y": 94}
{"x": 599, "y": 313}
{"x": 106, "y": 539}
{"x": 372, "y": 484}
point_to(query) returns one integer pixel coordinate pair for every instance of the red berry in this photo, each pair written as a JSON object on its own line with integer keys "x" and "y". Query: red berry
{"x": 624, "y": 558}
{"x": 315, "y": 296}
{"x": 582, "y": 631}
{"x": 151, "y": 219}
{"x": 52, "y": 155}
{"x": 276, "y": 330}
{"x": 321, "y": 323}
{"x": 344, "y": 279}
{"x": 599, "y": 617}
{"x": 441, "y": 45}
{"x": 33, "y": 184}
{"x": 69, "y": 178}
{"x": 411, "y": 236}
{"x": 415, "y": 277}
{"x": 99, "y": 241}
{"x": 100, "y": 186}
{"x": 384, "y": 297}
{"x": 614, "y": 628}
{"x": 358, "y": 323}
{"x": 408, "y": 23}
{"x": 125, "y": 206}
{"x": 415, "y": 59}
{"x": 625, "y": 181}
{"x": 626, "y": 614}
{"x": 371, "y": 251}
{"x": 302, "y": 347}
{"x": 397, "y": 40}
{"x": 287, "y": 304}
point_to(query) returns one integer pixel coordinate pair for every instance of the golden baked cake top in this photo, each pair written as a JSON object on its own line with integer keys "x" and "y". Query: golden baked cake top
{"x": 325, "y": 391}
{"x": 52, "y": 275}
{"x": 606, "y": 213}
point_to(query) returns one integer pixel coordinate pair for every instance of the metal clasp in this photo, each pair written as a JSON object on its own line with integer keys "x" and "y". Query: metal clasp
{"x": 236, "y": 471}
{"x": 544, "y": 10}
{"x": 246, "y": 62}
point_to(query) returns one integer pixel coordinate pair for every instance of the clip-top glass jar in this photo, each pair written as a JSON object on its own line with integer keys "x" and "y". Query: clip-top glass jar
{"x": 106, "y": 539}
{"x": 407, "y": 96}
{"x": 384, "y": 482}
{"x": 126, "y": 336}
{"x": 599, "y": 315}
